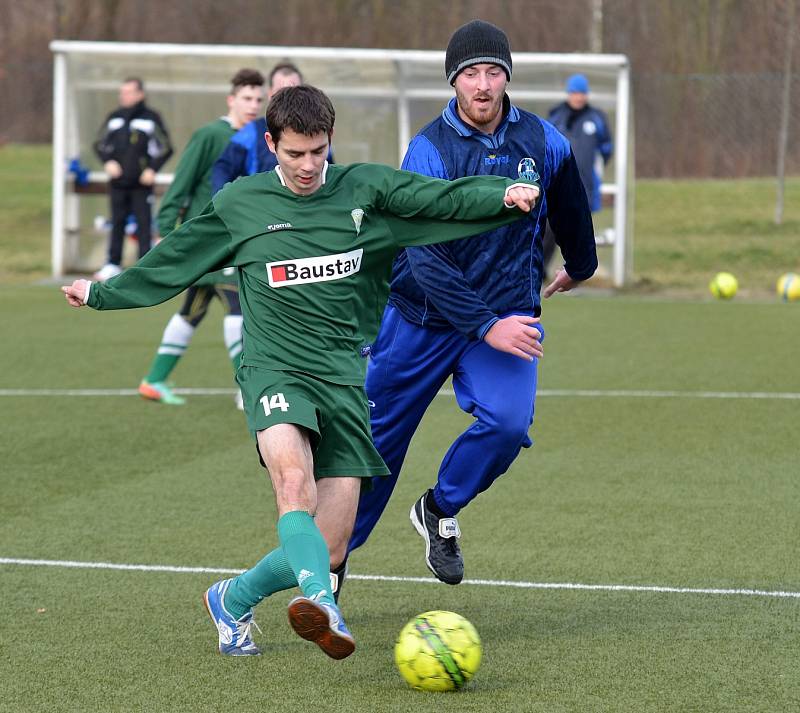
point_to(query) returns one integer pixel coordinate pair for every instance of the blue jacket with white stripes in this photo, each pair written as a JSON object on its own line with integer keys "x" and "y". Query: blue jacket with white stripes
{"x": 468, "y": 284}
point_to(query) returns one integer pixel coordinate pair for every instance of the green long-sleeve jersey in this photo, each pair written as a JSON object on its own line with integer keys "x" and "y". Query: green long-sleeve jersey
{"x": 313, "y": 270}
{"x": 190, "y": 190}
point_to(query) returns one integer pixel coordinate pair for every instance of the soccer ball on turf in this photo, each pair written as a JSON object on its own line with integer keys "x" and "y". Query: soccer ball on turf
{"x": 723, "y": 286}
{"x": 438, "y": 651}
{"x": 788, "y": 287}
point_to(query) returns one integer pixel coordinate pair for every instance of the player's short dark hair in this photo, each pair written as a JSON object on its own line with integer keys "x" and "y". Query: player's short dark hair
{"x": 284, "y": 68}
{"x": 134, "y": 80}
{"x": 304, "y": 109}
{"x": 246, "y": 78}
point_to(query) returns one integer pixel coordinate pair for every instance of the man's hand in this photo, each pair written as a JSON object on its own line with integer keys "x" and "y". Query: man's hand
{"x": 112, "y": 169}
{"x": 76, "y": 292}
{"x": 148, "y": 177}
{"x": 517, "y": 336}
{"x": 523, "y": 197}
{"x": 562, "y": 282}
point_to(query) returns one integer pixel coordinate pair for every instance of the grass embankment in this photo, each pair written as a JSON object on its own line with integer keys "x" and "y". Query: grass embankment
{"x": 684, "y": 231}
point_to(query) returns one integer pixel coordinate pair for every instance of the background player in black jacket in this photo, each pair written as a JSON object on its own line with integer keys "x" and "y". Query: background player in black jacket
{"x": 133, "y": 145}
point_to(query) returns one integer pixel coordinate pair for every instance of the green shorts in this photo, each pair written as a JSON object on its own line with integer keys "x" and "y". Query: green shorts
{"x": 336, "y": 415}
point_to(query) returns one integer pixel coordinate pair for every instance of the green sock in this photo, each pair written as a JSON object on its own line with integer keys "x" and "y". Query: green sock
{"x": 177, "y": 335}
{"x": 272, "y": 574}
{"x": 307, "y": 553}
{"x": 161, "y": 367}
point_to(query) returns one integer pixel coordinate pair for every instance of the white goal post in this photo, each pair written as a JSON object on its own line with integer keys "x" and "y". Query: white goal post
{"x": 382, "y": 97}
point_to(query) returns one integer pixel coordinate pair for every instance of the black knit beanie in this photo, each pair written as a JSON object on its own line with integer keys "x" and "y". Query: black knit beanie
{"x": 477, "y": 42}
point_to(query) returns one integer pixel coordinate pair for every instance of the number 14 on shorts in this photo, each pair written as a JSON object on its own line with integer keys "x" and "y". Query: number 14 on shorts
{"x": 276, "y": 401}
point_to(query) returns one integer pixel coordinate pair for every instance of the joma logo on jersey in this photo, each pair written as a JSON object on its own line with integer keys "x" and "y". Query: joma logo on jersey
{"x": 314, "y": 269}
{"x": 278, "y": 226}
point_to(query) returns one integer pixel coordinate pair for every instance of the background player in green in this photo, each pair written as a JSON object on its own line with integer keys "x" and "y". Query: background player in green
{"x": 313, "y": 245}
{"x": 188, "y": 194}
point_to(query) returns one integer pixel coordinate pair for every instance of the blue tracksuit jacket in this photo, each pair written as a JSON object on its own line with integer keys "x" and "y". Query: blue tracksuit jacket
{"x": 246, "y": 153}
{"x": 467, "y": 283}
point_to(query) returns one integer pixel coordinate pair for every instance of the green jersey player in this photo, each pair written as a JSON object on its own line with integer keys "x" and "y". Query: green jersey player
{"x": 313, "y": 246}
{"x": 188, "y": 194}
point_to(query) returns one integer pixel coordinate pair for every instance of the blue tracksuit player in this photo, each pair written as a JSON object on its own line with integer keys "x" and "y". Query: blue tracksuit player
{"x": 247, "y": 152}
{"x": 471, "y": 309}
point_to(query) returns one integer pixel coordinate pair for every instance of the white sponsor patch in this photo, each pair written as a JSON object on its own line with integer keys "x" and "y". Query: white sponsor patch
{"x": 314, "y": 269}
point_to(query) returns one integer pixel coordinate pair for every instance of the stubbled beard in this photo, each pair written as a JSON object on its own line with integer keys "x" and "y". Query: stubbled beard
{"x": 482, "y": 118}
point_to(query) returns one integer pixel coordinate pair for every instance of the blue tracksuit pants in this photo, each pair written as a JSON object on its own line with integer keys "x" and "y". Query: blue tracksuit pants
{"x": 408, "y": 366}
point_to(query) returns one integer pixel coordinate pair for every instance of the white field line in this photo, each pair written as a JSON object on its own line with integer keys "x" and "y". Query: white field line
{"x": 415, "y": 580}
{"x": 568, "y": 393}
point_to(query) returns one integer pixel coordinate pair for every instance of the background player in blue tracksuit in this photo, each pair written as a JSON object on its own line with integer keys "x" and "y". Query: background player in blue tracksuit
{"x": 247, "y": 152}
{"x": 471, "y": 308}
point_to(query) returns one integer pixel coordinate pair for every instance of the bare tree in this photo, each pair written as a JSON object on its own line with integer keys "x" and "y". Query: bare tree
{"x": 783, "y": 135}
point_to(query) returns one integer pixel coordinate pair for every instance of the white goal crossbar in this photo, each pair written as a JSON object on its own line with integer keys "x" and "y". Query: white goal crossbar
{"x": 382, "y": 98}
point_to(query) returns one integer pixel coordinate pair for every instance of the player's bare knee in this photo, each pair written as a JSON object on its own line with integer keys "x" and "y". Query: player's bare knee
{"x": 293, "y": 489}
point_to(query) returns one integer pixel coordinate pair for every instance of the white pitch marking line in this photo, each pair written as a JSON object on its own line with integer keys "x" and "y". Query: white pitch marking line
{"x": 568, "y": 393}
{"x": 415, "y": 580}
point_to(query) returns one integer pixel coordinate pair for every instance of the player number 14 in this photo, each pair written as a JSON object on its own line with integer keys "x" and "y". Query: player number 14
{"x": 276, "y": 401}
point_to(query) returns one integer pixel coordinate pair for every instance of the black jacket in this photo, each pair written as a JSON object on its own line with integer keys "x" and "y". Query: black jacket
{"x": 136, "y": 138}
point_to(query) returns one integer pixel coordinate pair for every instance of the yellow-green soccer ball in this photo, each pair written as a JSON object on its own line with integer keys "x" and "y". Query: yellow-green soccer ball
{"x": 438, "y": 651}
{"x": 723, "y": 286}
{"x": 788, "y": 287}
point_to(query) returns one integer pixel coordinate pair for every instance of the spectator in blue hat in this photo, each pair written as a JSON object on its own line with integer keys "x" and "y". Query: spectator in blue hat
{"x": 586, "y": 127}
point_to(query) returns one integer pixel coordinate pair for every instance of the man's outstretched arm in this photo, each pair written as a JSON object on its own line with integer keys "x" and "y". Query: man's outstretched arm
{"x": 198, "y": 246}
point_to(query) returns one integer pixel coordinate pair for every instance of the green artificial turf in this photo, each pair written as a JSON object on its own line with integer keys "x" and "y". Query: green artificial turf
{"x": 640, "y": 488}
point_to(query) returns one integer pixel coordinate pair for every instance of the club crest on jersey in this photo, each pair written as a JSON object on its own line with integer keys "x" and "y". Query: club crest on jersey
{"x": 527, "y": 169}
{"x": 357, "y": 215}
{"x": 314, "y": 269}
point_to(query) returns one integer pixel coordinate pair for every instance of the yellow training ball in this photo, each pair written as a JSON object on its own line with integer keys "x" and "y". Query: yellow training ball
{"x": 438, "y": 651}
{"x": 788, "y": 287}
{"x": 723, "y": 286}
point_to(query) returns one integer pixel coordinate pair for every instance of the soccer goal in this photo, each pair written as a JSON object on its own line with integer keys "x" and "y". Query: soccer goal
{"x": 382, "y": 97}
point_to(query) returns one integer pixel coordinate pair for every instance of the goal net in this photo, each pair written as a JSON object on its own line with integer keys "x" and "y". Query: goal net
{"x": 382, "y": 97}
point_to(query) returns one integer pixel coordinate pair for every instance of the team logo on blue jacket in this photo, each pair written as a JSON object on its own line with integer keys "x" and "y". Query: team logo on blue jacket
{"x": 527, "y": 169}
